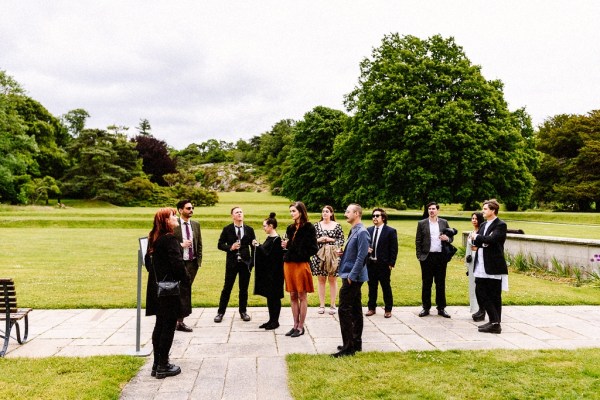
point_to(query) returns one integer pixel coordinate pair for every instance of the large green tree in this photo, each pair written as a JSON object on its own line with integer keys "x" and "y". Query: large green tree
{"x": 311, "y": 163}
{"x": 103, "y": 163}
{"x": 427, "y": 125}
{"x": 569, "y": 176}
{"x": 17, "y": 148}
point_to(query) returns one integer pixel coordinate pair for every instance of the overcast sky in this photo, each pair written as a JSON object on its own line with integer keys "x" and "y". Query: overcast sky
{"x": 231, "y": 69}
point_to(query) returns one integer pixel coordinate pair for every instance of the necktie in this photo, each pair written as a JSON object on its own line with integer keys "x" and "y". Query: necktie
{"x": 191, "y": 248}
{"x": 374, "y": 244}
{"x": 239, "y": 232}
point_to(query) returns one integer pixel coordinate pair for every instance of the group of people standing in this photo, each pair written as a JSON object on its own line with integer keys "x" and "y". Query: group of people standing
{"x": 486, "y": 266}
{"x": 307, "y": 250}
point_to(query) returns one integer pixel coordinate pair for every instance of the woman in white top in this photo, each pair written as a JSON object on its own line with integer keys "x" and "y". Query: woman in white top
{"x": 478, "y": 313}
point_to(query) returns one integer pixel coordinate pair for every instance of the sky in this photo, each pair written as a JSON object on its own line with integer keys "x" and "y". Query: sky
{"x": 229, "y": 70}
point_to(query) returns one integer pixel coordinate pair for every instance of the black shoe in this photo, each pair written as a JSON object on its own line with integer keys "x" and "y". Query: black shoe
{"x": 484, "y": 325}
{"x": 297, "y": 333}
{"x": 291, "y": 332}
{"x": 343, "y": 353}
{"x": 162, "y": 371}
{"x": 245, "y": 316}
{"x": 424, "y": 312}
{"x": 272, "y": 325}
{"x": 479, "y": 315}
{"x": 183, "y": 327}
{"x": 219, "y": 318}
{"x": 492, "y": 328}
{"x": 264, "y": 325}
{"x": 153, "y": 373}
{"x": 443, "y": 313}
{"x": 356, "y": 348}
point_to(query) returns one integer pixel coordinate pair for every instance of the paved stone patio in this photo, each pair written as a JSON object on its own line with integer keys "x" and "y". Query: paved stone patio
{"x": 237, "y": 360}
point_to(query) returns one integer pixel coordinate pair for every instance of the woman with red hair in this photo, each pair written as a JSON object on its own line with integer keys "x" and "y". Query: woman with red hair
{"x": 164, "y": 257}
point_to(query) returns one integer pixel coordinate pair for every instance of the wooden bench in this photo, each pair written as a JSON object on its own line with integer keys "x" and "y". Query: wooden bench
{"x": 11, "y": 314}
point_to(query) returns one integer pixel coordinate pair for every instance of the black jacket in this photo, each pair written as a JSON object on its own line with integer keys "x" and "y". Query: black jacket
{"x": 229, "y": 237}
{"x": 492, "y": 244}
{"x": 302, "y": 245}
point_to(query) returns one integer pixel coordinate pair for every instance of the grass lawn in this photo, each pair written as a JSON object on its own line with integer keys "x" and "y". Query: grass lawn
{"x": 498, "y": 374}
{"x": 86, "y": 257}
{"x": 92, "y": 378}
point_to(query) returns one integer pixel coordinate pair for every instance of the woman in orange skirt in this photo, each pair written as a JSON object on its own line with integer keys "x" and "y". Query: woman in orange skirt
{"x": 300, "y": 244}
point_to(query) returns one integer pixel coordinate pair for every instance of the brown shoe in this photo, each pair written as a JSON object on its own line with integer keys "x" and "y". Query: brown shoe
{"x": 388, "y": 314}
{"x": 370, "y": 312}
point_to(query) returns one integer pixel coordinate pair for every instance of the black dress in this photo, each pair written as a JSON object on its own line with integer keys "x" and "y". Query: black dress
{"x": 268, "y": 273}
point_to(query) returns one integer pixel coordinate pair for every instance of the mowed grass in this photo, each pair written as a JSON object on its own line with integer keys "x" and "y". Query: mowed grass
{"x": 498, "y": 374}
{"x": 89, "y": 378}
{"x": 86, "y": 257}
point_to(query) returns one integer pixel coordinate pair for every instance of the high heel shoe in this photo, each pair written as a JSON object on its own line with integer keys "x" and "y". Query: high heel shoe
{"x": 298, "y": 333}
{"x": 291, "y": 332}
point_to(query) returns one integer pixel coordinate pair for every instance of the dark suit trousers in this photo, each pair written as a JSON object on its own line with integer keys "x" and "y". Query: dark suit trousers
{"x": 191, "y": 267}
{"x": 434, "y": 269}
{"x": 379, "y": 273}
{"x": 274, "y": 306}
{"x": 350, "y": 314}
{"x": 162, "y": 337}
{"x": 489, "y": 296}
{"x": 231, "y": 273}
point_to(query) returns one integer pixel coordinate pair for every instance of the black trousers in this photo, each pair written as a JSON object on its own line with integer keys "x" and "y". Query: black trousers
{"x": 379, "y": 274}
{"x": 274, "y": 306}
{"x": 191, "y": 267}
{"x": 434, "y": 269}
{"x": 350, "y": 314}
{"x": 162, "y": 337}
{"x": 230, "y": 274}
{"x": 489, "y": 296}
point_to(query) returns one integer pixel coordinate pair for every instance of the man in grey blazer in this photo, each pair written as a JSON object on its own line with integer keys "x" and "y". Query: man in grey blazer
{"x": 190, "y": 238}
{"x": 428, "y": 243}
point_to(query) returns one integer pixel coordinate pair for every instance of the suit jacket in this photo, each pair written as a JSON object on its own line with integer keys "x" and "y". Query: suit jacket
{"x": 229, "y": 237}
{"x": 492, "y": 244}
{"x": 423, "y": 239}
{"x": 387, "y": 244}
{"x": 197, "y": 237}
{"x": 353, "y": 262}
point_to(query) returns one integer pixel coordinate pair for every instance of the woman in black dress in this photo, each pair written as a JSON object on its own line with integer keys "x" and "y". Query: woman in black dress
{"x": 268, "y": 275}
{"x": 165, "y": 258}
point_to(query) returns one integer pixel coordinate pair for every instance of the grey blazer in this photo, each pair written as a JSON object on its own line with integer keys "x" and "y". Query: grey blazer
{"x": 423, "y": 239}
{"x": 197, "y": 236}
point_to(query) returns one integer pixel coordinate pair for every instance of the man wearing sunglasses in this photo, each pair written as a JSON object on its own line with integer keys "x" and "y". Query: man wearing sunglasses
{"x": 383, "y": 251}
{"x": 189, "y": 236}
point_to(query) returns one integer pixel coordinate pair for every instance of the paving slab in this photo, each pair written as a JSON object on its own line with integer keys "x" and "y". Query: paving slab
{"x": 238, "y": 360}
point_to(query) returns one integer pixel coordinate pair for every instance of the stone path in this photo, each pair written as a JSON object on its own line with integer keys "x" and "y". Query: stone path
{"x": 237, "y": 360}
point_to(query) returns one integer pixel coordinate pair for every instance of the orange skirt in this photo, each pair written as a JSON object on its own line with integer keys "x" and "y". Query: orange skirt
{"x": 298, "y": 277}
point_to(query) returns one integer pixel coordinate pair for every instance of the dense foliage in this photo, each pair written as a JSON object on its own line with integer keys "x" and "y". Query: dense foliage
{"x": 427, "y": 125}
{"x": 569, "y": 176}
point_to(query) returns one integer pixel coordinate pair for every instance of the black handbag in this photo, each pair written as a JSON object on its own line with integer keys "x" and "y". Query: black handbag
{"x": 165, "y": 288}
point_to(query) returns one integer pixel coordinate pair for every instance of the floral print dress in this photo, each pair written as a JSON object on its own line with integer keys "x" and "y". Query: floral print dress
{"x": 335, "y": 233}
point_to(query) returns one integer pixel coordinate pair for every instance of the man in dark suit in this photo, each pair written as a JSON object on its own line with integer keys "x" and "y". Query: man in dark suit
{"x": 382, "y": 258}
{"x": 236, "y": 240}
{"x": 428, "y": 243}
{"x": 189, "y": 236}
{"x": 490, "y": 268}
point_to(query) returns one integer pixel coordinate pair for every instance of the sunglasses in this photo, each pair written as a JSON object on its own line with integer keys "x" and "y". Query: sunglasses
{"x": 189, "y": 208}
{"x": 376, "y": 215}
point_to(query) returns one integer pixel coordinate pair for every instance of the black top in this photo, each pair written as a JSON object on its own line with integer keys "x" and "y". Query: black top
{"x": 302, "y": 244}
{"x": 168, "y": 263}
{"x": 268, "y": 275}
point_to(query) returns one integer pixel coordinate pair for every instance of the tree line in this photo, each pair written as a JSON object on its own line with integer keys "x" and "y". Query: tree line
{"x": 422, "y": 123}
